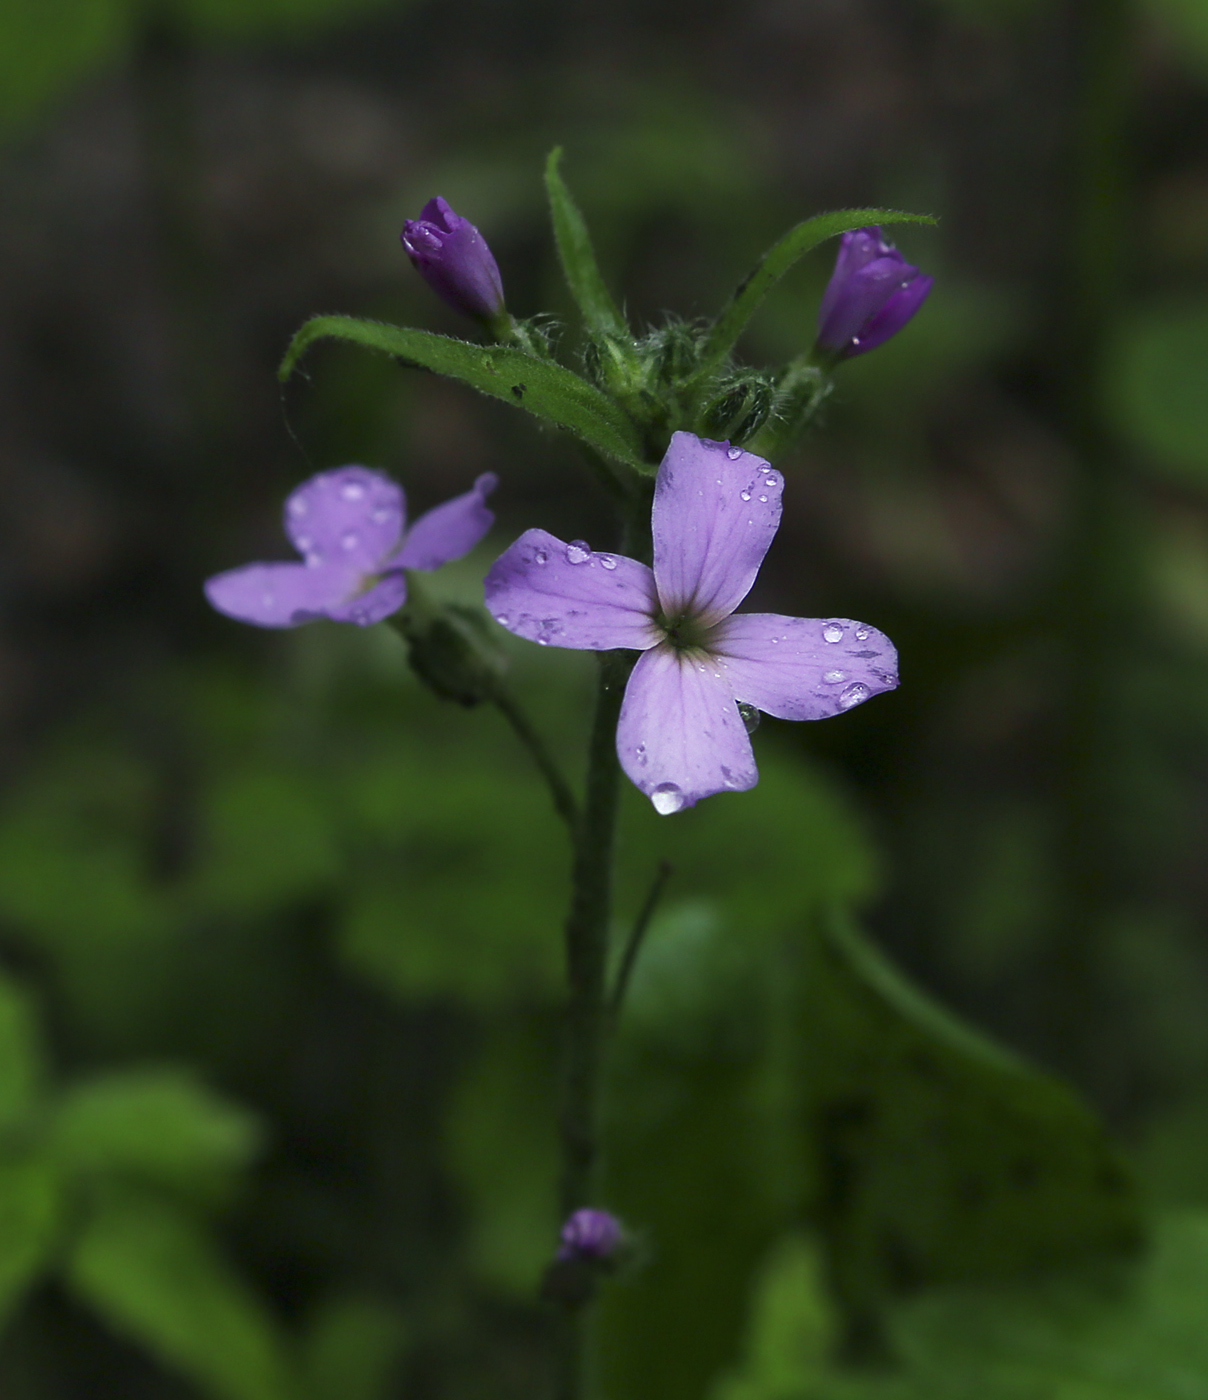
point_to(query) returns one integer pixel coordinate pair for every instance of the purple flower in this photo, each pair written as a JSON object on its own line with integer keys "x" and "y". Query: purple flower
{"x": 453, "y": 258}
{"x": 590, "y": 1234}
{"x": 680, "y": 736}
{"x": 872, "y": 293}
{"x": 348, "y": 526}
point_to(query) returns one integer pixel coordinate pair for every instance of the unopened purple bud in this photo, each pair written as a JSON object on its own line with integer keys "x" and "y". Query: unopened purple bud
{"x": 453, "y": 258}
{"x": 590, "y": 1234}
{"x": 872, "y": 293}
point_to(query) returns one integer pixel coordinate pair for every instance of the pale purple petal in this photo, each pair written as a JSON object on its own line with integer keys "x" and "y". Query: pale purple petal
{"x": 280, "y": 595}
{"x": 803, "y": 667}
{"x": 387, "y": 595}
{"x": 716, "y": 509}
{"x": 350, "y": 517}
{"x": 564, "y": 595}
{"x": 680, "y": 736}
{"x": 448, "y": 531}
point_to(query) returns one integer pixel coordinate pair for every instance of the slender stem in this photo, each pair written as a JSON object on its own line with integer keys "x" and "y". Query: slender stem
{"x": 564, "y": 800}
{"x": 636, "y": 936}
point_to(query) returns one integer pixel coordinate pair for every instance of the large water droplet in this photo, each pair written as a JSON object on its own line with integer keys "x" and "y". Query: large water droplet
{"x": 578, "y": 552}
{"x": 667, "y": 798}
{"x": 750, "y": 717}
{"x": 854, "y": 695}
{"x": 353, "y": 491}
{"x": 350, "y": 540}
{"x": 734, "y": 453}
{"x": 861, "y": 634}
{"x": 832, "y": 632}
{"x": 834, "y": 677}
{"x": 607, "y": 561}
{"x": 746, "y": 495}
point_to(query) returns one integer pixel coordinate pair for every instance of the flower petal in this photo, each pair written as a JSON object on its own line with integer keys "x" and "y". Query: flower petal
{"x": 448, "y": 531}
{"x": 716, "y": 510}
{"x": 564, "y": 595}
{"x": 351, "y": 517}
{"x": 387, "y": 595}
{"x": 680, "y": 736}
{"x": 280, "y": 595}
{"x": 862, "y": 297}
{"x": 803, "y": 667}
{"x": 893, "y": 315}
{"x": 857, "y": 248}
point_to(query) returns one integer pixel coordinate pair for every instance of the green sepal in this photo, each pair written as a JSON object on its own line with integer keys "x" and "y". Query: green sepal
{"x": 549, "y": 391}
{"x": 582, "y": 272}
{"x": 452, "y": 647}
{"x": 799, "y": 240}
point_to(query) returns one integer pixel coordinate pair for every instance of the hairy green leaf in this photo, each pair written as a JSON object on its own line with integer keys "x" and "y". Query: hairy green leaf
{"x": 549, "y": 391}
{"x": 578, "y": 258}
{"x": 799, "y": 240}
{"x": 30, "y": 1208}
{"x": 157, "y": 1277}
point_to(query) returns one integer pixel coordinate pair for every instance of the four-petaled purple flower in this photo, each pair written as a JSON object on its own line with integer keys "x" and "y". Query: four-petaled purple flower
{"x": 872, "y": 293}
{"x": 590, "y": 1234}
{"x": 681, "y": 736}
{"x": 453, "y": 258}
{"x": 348, "y": 525}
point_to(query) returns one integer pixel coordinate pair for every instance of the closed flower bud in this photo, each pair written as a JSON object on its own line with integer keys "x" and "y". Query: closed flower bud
{"x": 872, "y": 293}
{"x": 739, "y": 410}
{"x": 453, "y": 258}
{"x": 451, "y": 649}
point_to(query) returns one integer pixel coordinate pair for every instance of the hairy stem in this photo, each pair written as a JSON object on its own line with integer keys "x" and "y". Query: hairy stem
{"x": 564, "y": 800}
{"x": 636, "y": 936}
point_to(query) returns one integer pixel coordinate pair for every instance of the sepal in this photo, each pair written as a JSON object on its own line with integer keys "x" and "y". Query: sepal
{"x": 451, "y": 647}
{"x": 739, "y": 409}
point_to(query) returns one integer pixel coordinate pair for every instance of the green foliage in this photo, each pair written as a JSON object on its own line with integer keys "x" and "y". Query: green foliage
{"x": 547, "y": 390}
{"x": 938, "y": 1157}
{"x": 600, "y": 313}
{"x": 30, "y": 1220}
{"x": 352, "y": 1349}
{"x": 21, "y": 1056}
{"x": 1154, "y": 386}
{"x": 1097, "y": 1337}
{"x": 161, "y": 1128}
{"x": 799, "y": 240}
{"x": 157, "y": 1278}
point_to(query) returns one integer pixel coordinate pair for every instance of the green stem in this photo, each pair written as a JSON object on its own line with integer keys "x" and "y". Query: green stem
{"x": 637, "y": 934}
{"x": 564, "y": 800}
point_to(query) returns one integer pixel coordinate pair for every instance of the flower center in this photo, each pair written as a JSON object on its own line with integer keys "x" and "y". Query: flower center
{"x": 685, "y": 631}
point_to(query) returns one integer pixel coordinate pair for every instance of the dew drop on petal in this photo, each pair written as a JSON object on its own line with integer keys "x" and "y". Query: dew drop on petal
{"x": 543, "y": 641}
{"x": 298, "y": 506}
{"x": 353, "y": 491}
{"x": 834, "y": 677}
{"x": 763, "y": 498}
{"x": 750, "y": 718}
{"x": 746, "y": 495}
{"x": 832, "y": 632}
{"x": 304, "y": 542}
{"x": 734, "y": 453}
{"x": 501, "y": 619}
{"x": 541, "y": 557}
{"x": 350, "y": 540}
{"x": 854, "y": 695}
{"x": 607, "y": 561}
{"x": 861, "y": 634}
{"x": 578, "y": 552}
{"x": 667, "y": 798}
{"x": 640, "y": 754}
{"x": 380, "y": 516}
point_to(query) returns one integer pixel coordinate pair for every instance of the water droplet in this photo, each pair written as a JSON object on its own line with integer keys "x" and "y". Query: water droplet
{"x": 734, "y": 453}
{"x": 304, "y": 542}
{"x": 853, "y": 695}
{"x": 834, "y": 677}
{"x": 607, "y": 561}
{"x": 771, "y": 481}
{"x": 541, "y": 557}
{"x": 298, "y": 506}
{"x": 746, "y": 495}
{"x": 861, "y": 634}
{"x": 380, "y": 516}
{"x": 667, "y": 798}
{"x": 764, "y": 499}
{"x": 501, "y": 619}
{"x": 350, "y": 540}
{"x": 750, "y": 717}
{"x": 640, "y": 754}
{"x": 832, "y": 632}
{"x": 578, "y": 552}
{"x": 353, "y": 491}
{"x": 543, "y": 641}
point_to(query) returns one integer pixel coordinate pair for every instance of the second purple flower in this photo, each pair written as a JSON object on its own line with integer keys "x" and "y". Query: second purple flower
{"x": 871, "y": 295}
{"x": 680, "y": 736}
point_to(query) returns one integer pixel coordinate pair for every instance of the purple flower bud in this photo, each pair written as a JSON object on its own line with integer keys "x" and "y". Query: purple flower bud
{"x": 453, "y": 258}
{"x": 590, "y": 1234}
{"x": 872, "y": 293}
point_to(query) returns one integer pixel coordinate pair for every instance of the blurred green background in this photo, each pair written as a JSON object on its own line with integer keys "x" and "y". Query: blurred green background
{"x": 279, "y": 934}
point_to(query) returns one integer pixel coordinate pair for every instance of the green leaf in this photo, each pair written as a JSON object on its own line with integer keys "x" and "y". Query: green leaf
{"x": 22, "y": 1064}
{"x": 159, "y": 1127}
{"x": 939, "y": 1157}
{"x": 157, "y": 1277}
{"x": 600, "y": 313}
{"x": 30, "y": 1211}
{"x": 548, "y": 391}
{"x": 352, "y": 1349}
{"x": 800, "y": 240}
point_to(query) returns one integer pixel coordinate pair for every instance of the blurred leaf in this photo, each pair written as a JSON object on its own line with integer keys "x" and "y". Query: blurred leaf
{"x": 940, "y": 1157}
{"x": 267, "y": 841}
{"x": 1172, "y": 1159}
{"x": 157, "y": 1277}
{"x": 352, "y": 1349}
{"x": 158, "y": 1127}
{"x": 549, "y": 391}
{"x": 1188, "y": 24}
{"x": 30, "y": 1208}
{"x": 239, "y": 18}
{"x": 1154, "y": 386}
{"x": 578, "y": 257}
{"x": 503, "y": 1151}
{"x": 799, "y": 240}
{"x": 22, "y": 1066}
